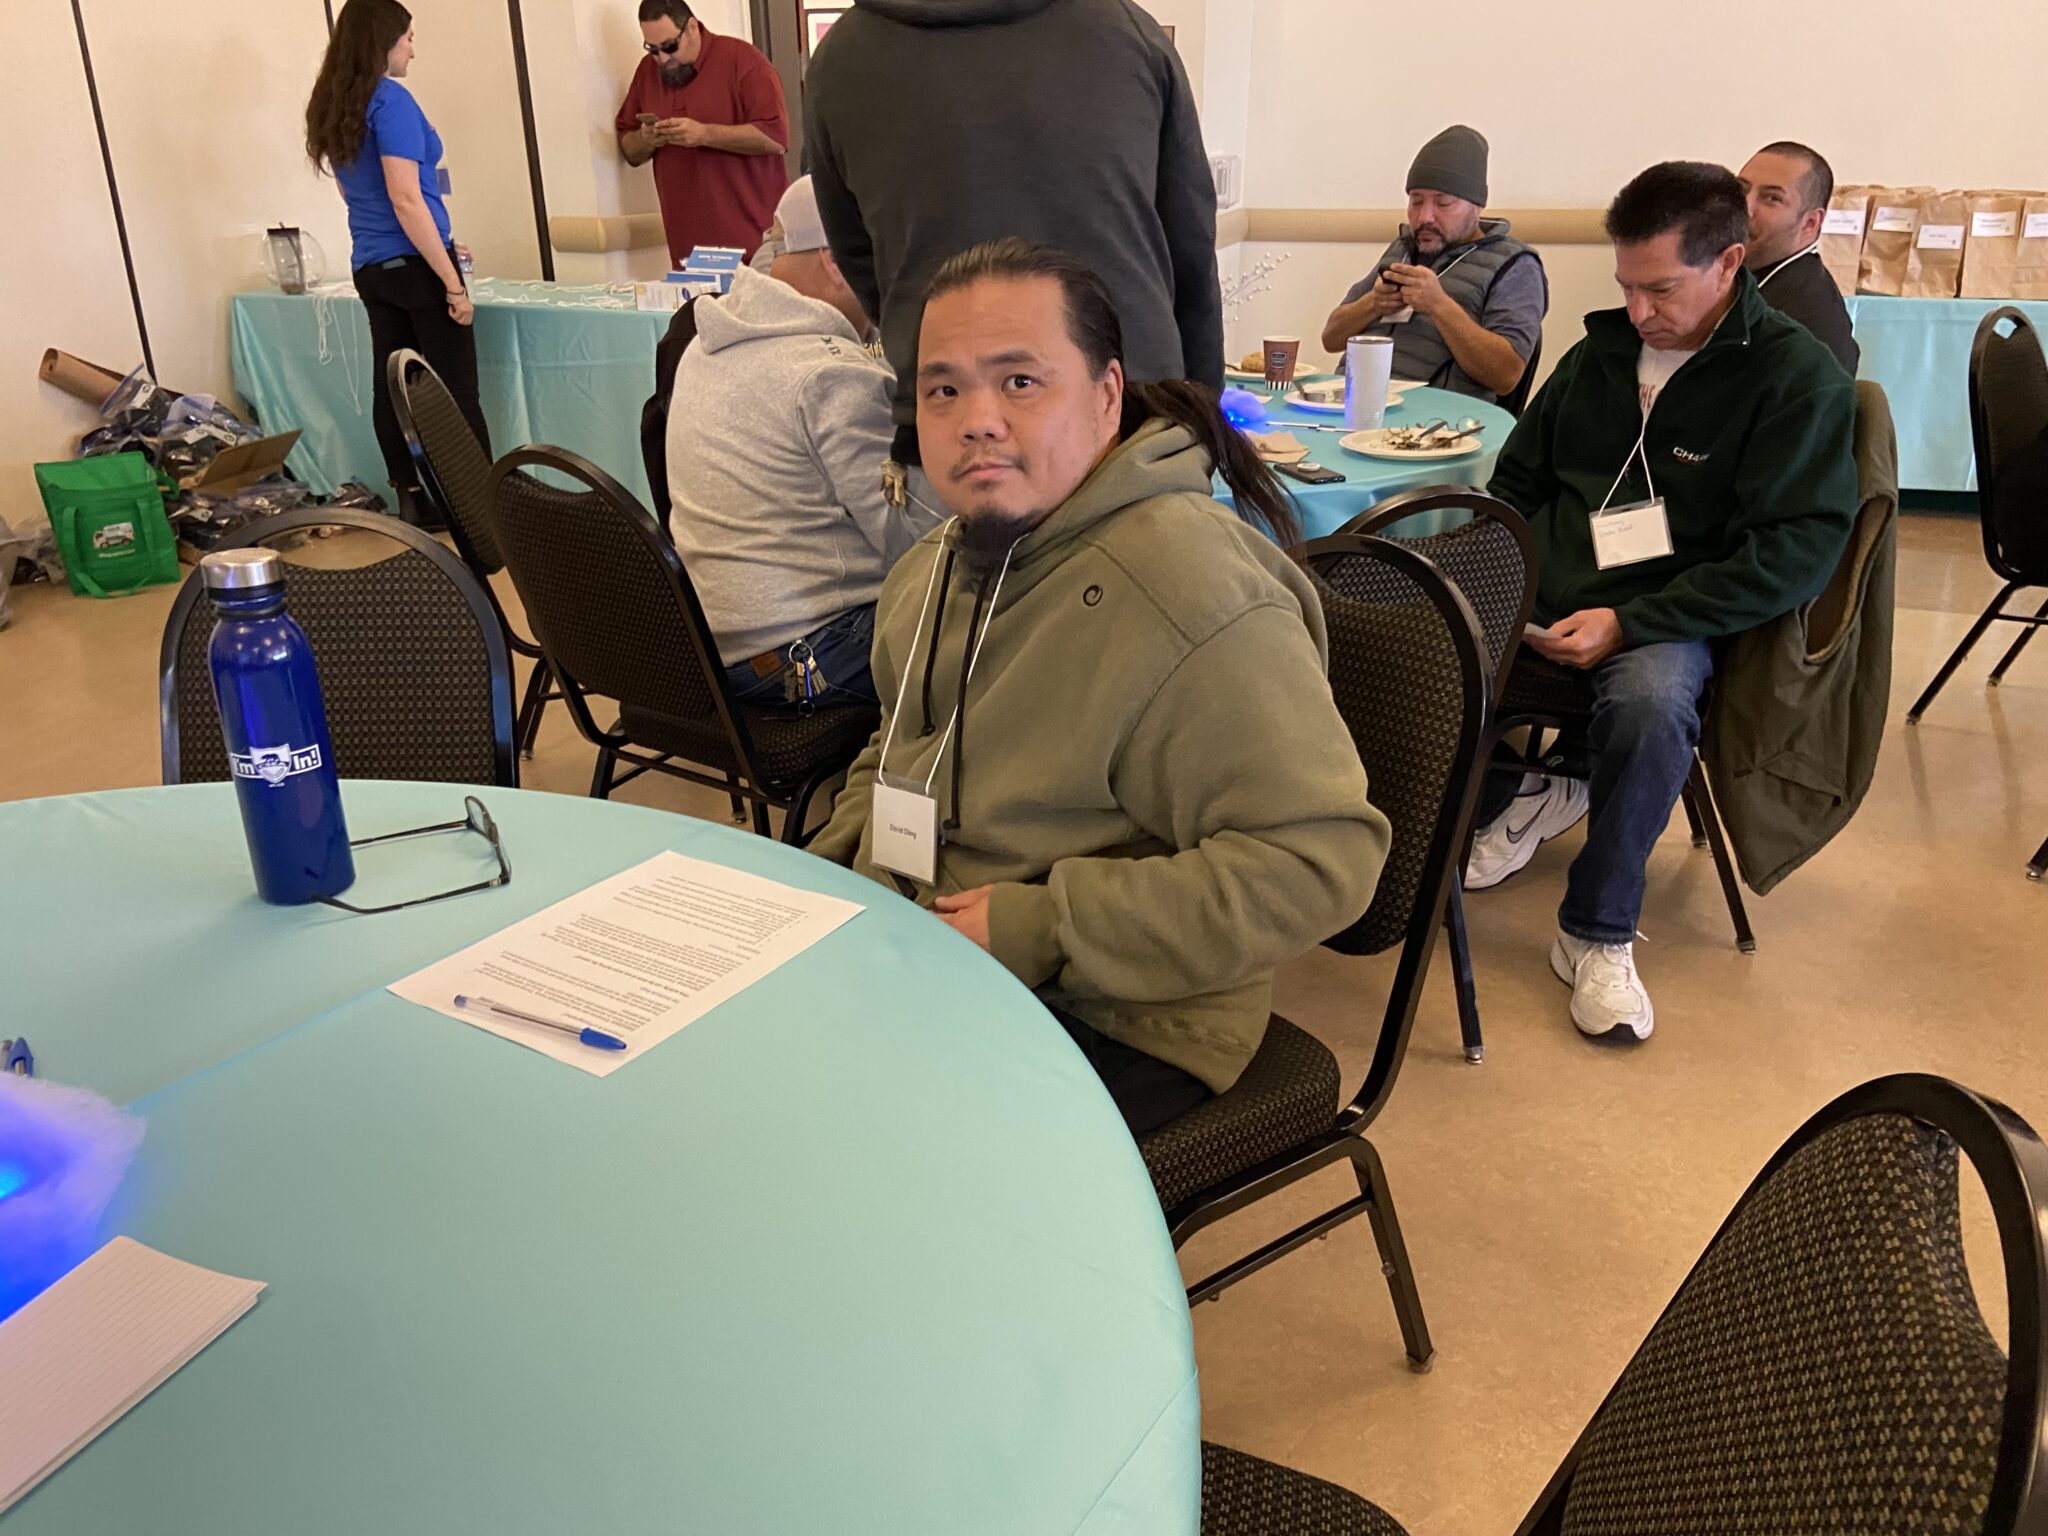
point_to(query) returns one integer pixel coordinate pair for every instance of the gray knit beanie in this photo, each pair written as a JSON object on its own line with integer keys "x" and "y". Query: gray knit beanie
{"x": 1454, "y": 162}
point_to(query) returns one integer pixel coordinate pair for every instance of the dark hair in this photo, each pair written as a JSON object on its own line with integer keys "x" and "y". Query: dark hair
{"x": 1817, "y": 186}
{"x": 1703, "y": 203}
{"x": 338, "y": 111}
{"x": 1093, "y": 326}
{"x": 675, "y": 10}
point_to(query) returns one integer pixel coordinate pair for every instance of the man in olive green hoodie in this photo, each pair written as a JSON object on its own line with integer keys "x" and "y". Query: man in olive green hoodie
{"x": 1145, "y": 800}
{"x": 1688, "y": 474}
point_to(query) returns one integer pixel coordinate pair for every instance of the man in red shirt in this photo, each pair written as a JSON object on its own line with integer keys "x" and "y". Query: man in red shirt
{"x": 708, "y": 111}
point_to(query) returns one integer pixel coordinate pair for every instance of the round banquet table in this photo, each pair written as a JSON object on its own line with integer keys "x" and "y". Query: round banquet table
{"x": 864, "y": 1249}
{"x": 1326, "y": 508}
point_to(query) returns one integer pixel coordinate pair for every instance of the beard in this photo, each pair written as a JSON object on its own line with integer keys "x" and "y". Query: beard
{"x": 675, "y": 74}
{"x": 986, "y": 534}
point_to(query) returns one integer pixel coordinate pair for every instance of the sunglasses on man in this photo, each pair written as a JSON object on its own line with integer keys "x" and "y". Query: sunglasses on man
{"x": 666, "y": 48}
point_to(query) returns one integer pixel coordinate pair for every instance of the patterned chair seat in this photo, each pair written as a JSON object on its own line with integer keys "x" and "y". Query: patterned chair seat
{"x": 1287, "y": 1094}
{"x": 1244, "y": 1496}
{"x": 788, "y": 747}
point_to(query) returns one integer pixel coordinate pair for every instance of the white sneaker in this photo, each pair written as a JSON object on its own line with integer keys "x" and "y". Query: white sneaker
{"x": 1607, "y": 996}
{"x": 1544, "y": 806}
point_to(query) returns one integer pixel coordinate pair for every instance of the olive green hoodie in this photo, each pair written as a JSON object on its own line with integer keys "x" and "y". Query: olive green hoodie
{"x": 1151, "y": 772}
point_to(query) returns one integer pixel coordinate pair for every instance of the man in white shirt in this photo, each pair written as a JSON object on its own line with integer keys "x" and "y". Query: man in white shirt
{"x": 777, "y": 432}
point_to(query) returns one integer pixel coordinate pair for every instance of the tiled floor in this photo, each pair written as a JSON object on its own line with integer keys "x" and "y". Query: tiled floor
{"x": 1554, "y": 1196}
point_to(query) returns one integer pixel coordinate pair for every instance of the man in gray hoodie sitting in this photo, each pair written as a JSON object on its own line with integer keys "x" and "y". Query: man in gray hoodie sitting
{"x": 777, "y": 433}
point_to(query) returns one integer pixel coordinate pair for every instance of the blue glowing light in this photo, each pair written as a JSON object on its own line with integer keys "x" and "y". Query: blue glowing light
{"x": 13, "y": 1179}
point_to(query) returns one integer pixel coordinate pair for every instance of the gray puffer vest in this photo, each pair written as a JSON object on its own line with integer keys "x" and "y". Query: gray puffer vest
{"x": 1467, "y": 273}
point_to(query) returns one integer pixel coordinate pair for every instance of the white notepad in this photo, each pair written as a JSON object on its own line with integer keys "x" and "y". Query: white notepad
{"x": 97, "y": 1343}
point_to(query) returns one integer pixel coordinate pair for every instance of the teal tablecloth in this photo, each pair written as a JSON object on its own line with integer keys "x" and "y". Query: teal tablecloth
{"x": 1326, "y": 508}
{"x": 865, "y": 1250}
{"x": 556, "y": 364}
{"x": 1919, "y": 350}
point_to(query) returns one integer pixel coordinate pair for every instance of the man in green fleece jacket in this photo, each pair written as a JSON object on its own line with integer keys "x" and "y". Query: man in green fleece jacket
{"x": 1688, "y": 474}
{"x": 1146, "y": 800}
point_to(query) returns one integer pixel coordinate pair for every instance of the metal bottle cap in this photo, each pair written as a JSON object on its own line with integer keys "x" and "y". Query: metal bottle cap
{"x": 241, "y": 570}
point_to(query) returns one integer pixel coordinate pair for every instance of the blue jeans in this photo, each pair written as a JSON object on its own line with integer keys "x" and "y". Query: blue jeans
{"x": 1646, "y": 722}
{"x": 839, "y": 646}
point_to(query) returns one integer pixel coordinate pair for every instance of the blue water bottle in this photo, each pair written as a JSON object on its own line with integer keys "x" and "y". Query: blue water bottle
{"x": 275, "y": 727}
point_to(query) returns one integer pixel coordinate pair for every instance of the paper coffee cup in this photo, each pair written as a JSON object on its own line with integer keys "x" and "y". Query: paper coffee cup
{"x": 1368, "y": 368}
{"x": 1281, "y": 354}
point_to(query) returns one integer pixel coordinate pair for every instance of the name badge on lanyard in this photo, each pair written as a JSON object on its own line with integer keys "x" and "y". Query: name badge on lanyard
{"x": 904, "y": 823}
{"x": 903, "y": 814}
{"x": 1630, "y": 535}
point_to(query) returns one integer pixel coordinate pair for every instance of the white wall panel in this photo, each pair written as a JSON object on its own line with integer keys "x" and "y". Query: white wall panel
{"x": 466, "y": 83}
{"x": 205, "y": 110}
{"x": 1577, "y": 98}
{"x": 60, "y": 264}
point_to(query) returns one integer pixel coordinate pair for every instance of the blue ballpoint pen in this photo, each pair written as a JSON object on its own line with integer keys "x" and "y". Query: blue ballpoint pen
{"x": 595, "y": 1037}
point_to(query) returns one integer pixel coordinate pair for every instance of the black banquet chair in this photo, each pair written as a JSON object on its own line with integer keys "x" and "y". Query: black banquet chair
{"x": 1825, "y": 1366}
{"x": 1516, "y": 400}
{"x": 1408, "y": 673}
{"x": 1491, "y": 559}
{"x": 2009, "y": 430}
{"x": 1244, "y": 1496}
{"x": 616, "y": 616}
{"x": 413, "y": 667}
{"x": 455, "y": 475}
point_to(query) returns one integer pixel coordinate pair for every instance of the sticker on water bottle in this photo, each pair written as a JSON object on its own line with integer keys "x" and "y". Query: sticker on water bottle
{"x": 273, "y": 765}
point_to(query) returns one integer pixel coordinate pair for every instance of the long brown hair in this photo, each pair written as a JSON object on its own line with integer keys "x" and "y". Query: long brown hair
{"x": 338, "y": 111}
{"x": 1095, "y": 329}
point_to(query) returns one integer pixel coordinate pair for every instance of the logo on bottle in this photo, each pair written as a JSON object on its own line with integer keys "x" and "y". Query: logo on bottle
{"x": 273, "y": 765}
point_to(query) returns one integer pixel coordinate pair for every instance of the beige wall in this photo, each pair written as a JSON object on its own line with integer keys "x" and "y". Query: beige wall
{"x": 1577, "y": 98}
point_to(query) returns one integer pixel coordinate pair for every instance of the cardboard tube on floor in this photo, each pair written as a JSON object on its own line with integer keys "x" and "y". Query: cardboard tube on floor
{"x": 78, "y": 378}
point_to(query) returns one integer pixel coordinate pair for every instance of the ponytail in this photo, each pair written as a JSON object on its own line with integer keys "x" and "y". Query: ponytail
{"x": 1260, "y": 499}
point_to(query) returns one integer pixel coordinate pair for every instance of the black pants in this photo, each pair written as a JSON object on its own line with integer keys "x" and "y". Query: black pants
{"x": 1147, "y": 1091}
{"x": 408, "y": 307}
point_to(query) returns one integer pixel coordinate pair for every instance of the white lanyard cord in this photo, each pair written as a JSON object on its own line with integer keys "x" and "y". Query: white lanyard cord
{"x": 1629, "y": 463}
{"x": 968, "y": 676}
{"x": 903, "y": 686}
{"x": 973, "y": 656}
{"x": 1764, "y": 282}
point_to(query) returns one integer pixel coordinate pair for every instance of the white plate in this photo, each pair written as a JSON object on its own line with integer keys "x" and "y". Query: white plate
{"x": 1302, "y": 402}
{"x": 1374, "y": 444}
{"x": 1237, "y": 375}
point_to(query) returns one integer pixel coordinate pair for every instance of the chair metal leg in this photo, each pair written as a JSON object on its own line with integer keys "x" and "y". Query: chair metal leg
{"x": 527, "y": 728}
{"x": 798, "y": 815}
{"x": 2039, "y": 865}
{"x": 2013, "y": 655}
{"x": 1956, "y": 657}
{"x": 1394, "y": 1263}
{"x": 1692, "y": 820}
{"x": 761, "y": 819}
{"x": 601, "y": 778}
{"x": 1461, "y": 976}
{"x": 1701, "y": 796}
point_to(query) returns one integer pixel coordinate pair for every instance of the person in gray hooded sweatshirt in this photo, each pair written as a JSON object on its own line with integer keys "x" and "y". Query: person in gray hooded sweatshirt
{"x": 934, "y": 125}
{"x": 777, "y": 432}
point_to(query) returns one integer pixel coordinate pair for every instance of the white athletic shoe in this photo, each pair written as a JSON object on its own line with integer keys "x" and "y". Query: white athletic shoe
{"x": 1607, "y": 996}
{"x": 1544, "y": 806}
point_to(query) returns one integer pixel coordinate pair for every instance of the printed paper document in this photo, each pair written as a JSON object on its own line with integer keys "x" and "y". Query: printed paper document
{"x": 638, "y": 956}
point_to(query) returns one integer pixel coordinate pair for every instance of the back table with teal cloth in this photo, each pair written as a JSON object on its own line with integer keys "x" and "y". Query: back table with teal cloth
{"x": 1919, "y": 350}
{"x": 557, "y": 363}
{"x": 867, "y": 1249}
{"x": 1367, "y": 482}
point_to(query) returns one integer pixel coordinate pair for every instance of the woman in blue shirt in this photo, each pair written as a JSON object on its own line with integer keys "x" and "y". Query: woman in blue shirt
{"x": 365, "y": 127}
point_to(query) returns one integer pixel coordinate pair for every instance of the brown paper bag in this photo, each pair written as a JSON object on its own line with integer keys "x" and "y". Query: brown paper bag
{"x": 2030, "y": 258}
{"x": 1841, "y": 237}
{"x": 1996, "y": 219}
{"x": 1888, "y": 239}
{"x": 1935, "y": 268}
